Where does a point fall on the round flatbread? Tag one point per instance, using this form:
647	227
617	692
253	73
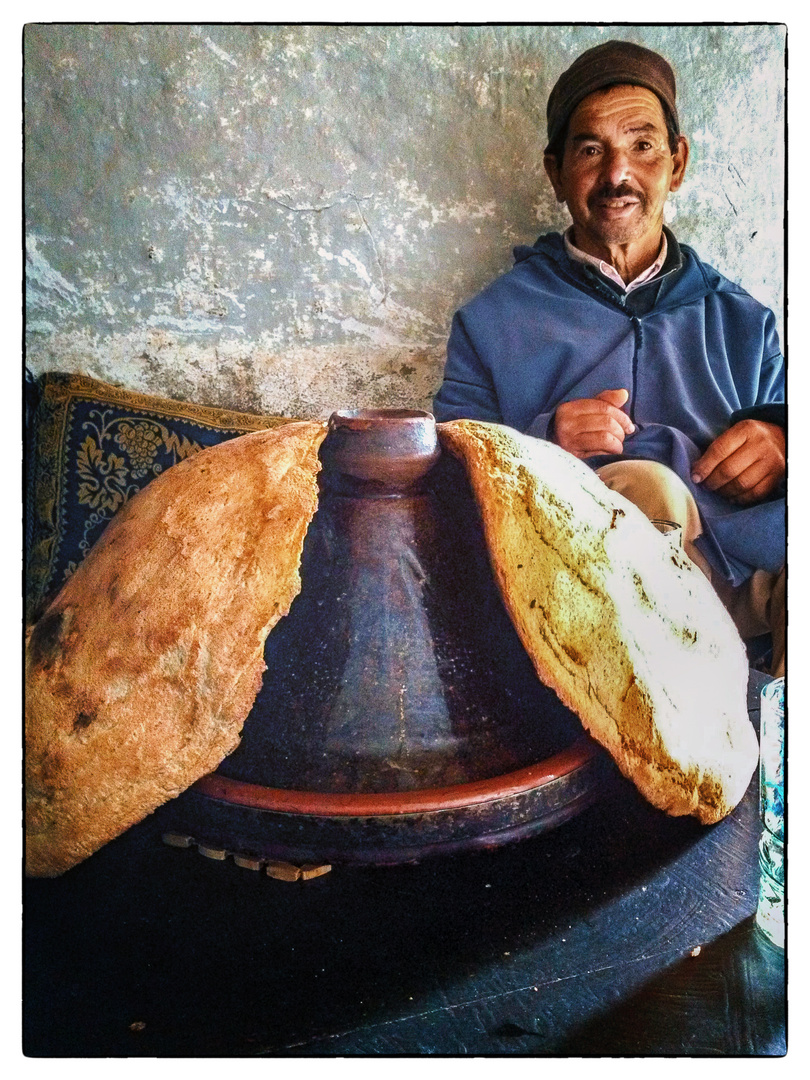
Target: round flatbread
140	674
622	625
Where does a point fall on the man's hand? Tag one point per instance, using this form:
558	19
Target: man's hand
593	425
745	463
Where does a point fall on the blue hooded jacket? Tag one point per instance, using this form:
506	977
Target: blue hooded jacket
696	352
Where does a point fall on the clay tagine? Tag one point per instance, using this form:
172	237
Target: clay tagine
400	715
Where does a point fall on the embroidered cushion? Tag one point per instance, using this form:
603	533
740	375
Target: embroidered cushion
90	447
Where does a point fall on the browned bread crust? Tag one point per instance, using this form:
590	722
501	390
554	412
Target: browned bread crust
141	673
626	630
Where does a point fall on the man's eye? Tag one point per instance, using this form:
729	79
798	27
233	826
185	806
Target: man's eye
589	151
642	144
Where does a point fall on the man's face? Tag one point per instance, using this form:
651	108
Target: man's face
618	169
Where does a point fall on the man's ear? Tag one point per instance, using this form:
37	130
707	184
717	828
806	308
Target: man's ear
679	160
553	173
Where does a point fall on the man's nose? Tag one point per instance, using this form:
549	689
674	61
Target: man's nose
615	166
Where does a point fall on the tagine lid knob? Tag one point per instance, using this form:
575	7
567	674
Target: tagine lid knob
394	447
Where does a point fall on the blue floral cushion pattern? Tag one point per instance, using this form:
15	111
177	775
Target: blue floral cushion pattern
91	446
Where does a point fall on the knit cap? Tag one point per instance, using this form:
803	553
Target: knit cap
612	64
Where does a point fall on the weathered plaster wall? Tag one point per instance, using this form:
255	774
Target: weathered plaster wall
284	219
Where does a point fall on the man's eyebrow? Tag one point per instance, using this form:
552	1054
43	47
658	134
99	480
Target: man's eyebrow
637	129
584	137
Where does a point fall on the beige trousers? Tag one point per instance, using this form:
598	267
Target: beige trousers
757	606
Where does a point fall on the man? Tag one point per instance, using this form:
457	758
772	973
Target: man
625	349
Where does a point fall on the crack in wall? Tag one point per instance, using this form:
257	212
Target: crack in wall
381	268
318	209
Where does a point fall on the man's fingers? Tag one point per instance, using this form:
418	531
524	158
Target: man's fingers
759	491
587	426
598	409
720	449
595	442
752	483
623	420
616	397
737	485
587	423
595	435
603	436
745	464
731	468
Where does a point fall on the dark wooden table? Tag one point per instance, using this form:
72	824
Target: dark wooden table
623	932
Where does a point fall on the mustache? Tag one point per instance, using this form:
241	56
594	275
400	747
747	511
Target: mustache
620	191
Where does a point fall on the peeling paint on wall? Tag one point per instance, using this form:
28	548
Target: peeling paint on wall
283	219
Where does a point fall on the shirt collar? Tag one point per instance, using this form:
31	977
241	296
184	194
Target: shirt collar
609	271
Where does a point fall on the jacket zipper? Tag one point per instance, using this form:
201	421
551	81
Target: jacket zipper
638	336
620	301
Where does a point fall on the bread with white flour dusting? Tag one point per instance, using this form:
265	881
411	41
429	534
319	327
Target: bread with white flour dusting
626	630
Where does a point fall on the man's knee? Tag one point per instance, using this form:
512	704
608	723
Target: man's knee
758	606
646	484
660	495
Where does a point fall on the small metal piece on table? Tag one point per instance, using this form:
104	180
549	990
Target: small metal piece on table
178	841
283	871
310	870
219	854
248	862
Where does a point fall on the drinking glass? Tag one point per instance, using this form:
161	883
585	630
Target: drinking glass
771	907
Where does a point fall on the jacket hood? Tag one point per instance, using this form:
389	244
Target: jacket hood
548	244
685	277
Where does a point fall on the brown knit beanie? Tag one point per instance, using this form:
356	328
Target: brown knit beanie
612	64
